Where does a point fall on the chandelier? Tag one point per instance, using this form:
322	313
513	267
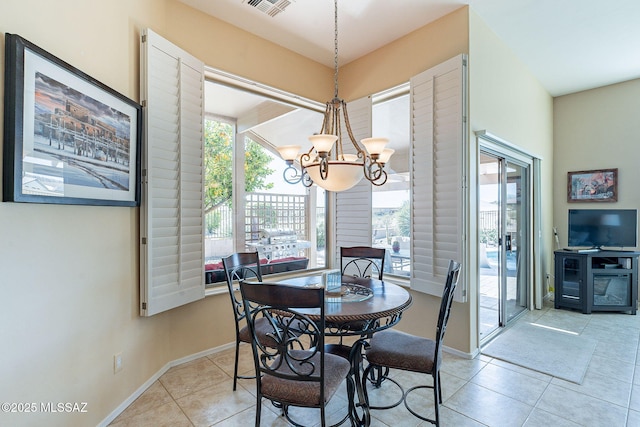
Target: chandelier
326	162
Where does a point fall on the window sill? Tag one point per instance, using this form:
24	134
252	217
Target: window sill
399	280
215	290
221	287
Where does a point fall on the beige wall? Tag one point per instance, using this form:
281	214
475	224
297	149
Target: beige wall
596	129
230	49
69	274
508	102
402	59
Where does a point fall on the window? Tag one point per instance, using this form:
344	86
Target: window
173	224
172	218
248	206
390	203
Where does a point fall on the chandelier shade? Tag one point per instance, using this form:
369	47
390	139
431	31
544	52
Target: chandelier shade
385	156
341	175
375	146
323	143
288	152
326	162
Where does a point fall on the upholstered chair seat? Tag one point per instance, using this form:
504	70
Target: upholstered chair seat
306	393
398	350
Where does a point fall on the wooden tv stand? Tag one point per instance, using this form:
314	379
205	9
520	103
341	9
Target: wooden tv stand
596	281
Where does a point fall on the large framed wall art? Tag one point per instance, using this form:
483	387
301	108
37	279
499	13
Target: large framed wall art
68	138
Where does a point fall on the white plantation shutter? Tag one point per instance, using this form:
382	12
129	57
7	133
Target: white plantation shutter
438	135
353	206
171	214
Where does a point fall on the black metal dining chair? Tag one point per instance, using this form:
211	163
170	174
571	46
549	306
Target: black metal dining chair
357	261
398	350
293	369
238	266
362	261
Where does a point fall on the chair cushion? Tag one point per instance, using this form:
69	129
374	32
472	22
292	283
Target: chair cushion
306	393
399	350
341	350
263	327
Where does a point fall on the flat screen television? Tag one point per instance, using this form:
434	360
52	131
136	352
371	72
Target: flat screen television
597	228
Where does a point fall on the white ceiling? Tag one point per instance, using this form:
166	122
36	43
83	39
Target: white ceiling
569	45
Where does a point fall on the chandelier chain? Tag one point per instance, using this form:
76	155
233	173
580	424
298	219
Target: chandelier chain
317	161
335	50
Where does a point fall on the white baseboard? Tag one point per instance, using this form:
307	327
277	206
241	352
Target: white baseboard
461	353
155	377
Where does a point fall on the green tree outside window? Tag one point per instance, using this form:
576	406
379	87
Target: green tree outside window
218	165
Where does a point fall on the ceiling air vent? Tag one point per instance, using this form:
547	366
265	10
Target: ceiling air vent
270	7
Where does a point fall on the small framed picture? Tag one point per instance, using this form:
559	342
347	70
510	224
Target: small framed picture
593	186
68	139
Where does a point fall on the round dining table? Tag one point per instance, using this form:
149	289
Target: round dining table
360	308
363	306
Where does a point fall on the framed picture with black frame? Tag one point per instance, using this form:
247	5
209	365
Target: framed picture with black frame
68	139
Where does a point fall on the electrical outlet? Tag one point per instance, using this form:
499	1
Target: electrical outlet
117	363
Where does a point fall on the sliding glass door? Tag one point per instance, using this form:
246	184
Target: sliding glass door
503	235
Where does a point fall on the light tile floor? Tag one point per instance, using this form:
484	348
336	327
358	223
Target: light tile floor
478	392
